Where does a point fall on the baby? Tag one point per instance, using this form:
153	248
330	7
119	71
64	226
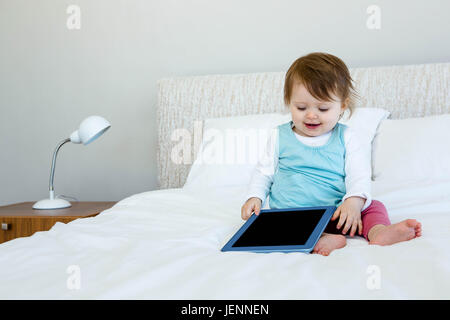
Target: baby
318	161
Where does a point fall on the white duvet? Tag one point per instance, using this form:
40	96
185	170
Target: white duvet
166	245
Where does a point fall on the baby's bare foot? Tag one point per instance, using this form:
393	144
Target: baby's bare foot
402	231
328	242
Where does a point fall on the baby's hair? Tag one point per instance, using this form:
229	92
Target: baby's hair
323	75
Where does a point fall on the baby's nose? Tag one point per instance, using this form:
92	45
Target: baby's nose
311	115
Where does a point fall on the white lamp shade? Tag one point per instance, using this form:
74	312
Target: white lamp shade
90	129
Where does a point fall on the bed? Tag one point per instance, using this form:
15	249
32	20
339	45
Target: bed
165	244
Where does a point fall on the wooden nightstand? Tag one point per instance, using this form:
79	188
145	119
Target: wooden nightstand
21	220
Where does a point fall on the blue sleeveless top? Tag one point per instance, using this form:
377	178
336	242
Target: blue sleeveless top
308	176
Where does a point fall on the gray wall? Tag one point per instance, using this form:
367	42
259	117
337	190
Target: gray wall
52	78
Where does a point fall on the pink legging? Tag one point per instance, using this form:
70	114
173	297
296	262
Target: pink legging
374	214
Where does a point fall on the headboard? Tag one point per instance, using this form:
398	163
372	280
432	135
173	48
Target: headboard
406	91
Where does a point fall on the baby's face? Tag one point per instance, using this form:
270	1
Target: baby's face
306	110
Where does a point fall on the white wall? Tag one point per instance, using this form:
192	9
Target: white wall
51	77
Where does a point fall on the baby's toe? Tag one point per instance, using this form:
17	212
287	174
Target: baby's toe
418	229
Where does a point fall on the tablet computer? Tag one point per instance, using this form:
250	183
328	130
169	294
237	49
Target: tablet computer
282	230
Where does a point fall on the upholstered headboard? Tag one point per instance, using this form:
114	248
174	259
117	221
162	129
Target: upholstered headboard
406	91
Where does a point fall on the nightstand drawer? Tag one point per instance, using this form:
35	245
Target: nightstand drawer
15	227
12	227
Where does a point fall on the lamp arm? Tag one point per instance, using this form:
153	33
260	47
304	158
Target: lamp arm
52	171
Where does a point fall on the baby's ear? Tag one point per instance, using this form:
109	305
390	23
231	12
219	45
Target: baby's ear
345	104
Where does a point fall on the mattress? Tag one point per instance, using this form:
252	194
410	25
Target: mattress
165	244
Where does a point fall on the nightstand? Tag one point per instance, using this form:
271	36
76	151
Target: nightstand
21	220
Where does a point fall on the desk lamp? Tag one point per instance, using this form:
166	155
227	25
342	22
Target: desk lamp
90	129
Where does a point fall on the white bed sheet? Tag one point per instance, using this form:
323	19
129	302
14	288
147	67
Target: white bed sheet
166	244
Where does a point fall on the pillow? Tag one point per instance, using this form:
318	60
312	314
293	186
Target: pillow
231	146
230	149
365	121
412	150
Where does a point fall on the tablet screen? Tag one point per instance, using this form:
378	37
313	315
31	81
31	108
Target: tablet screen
280	228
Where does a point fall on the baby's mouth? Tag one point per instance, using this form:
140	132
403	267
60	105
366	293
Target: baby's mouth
312	125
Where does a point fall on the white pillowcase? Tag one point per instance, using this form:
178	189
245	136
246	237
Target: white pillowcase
365	121
230	149
227	140
412	150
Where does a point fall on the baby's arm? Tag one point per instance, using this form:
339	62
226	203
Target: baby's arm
262	177
358	170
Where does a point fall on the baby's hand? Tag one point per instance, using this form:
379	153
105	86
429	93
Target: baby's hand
349	213
252	204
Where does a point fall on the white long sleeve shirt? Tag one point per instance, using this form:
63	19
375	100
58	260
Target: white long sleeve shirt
357	167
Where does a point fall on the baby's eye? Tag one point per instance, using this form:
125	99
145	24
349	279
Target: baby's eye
302	109
323	110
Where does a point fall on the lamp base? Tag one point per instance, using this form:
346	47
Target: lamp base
48	204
